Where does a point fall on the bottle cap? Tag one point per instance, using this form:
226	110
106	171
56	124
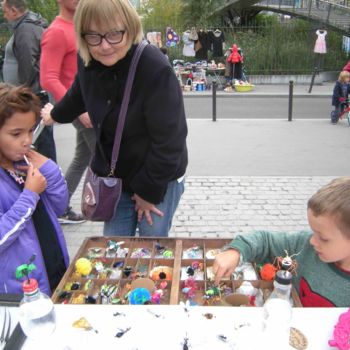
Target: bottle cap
283	277
29	286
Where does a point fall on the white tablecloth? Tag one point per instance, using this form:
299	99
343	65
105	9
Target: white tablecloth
239	325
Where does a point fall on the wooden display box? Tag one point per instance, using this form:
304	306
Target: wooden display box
185	251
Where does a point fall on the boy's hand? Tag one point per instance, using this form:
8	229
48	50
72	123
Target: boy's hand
225	263
35	181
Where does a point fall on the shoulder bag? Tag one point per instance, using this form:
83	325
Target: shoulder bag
101	195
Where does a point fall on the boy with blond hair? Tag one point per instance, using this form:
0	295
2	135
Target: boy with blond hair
340	95
323	255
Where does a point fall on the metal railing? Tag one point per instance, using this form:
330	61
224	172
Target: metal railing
331	13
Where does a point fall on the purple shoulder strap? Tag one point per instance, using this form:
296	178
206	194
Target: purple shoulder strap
125	103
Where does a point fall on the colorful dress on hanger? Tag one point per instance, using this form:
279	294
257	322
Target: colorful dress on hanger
320	45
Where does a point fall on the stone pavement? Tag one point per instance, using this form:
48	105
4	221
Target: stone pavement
222	206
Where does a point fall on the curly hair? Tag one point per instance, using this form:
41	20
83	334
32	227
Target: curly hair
17	99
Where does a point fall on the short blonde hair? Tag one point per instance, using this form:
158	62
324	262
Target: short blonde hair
105	12
334	199
343	75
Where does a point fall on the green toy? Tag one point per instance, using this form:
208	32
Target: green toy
25	269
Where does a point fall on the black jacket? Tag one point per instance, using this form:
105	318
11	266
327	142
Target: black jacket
153	149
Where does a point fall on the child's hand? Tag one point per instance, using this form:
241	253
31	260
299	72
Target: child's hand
35	181
36	158
225	263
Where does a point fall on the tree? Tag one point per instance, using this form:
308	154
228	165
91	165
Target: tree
158	14
198	12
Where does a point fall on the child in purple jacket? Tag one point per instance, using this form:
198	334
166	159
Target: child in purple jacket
33	193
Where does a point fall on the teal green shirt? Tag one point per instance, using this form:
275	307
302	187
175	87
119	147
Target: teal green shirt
318	284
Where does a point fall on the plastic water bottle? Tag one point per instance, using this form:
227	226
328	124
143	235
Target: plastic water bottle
36	312
277	313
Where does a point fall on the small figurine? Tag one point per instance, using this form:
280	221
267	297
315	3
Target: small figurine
286	263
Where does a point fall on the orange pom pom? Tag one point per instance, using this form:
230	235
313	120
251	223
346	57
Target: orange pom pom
267	272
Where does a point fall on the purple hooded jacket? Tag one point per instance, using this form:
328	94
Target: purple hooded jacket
18	239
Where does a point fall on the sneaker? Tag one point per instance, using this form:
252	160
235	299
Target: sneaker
71	217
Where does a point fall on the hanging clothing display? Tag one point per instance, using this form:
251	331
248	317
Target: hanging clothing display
346	44
234	63
188	49
217	39
155	38
204	40
172	38
320	45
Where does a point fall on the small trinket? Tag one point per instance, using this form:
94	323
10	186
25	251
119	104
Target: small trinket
90	299
119	314
79	299
208	315
122	332
83	266
118	264
127	271
87	285
65	295
162	275
154	314
168	254
84	324
75	286
163	284
185	344
139	296
190	271
222	338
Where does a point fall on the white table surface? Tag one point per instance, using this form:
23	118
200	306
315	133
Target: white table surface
167	332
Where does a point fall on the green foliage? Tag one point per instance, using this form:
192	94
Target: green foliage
158	14
47	8
198	13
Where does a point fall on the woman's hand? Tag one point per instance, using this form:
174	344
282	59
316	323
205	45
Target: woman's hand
144	208
46	114
35	181
85	120
225	263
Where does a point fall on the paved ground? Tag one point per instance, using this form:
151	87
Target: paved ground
222	206
243	174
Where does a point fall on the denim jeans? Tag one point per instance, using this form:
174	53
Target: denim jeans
84	149
124	222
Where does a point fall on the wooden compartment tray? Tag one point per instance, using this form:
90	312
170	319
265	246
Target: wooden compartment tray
172	256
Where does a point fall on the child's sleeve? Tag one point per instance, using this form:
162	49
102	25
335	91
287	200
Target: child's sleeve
14	220
56	190
263	246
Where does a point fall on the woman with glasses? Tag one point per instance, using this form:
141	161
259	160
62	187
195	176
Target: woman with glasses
153	154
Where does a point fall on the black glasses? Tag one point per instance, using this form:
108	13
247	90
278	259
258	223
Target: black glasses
114	37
